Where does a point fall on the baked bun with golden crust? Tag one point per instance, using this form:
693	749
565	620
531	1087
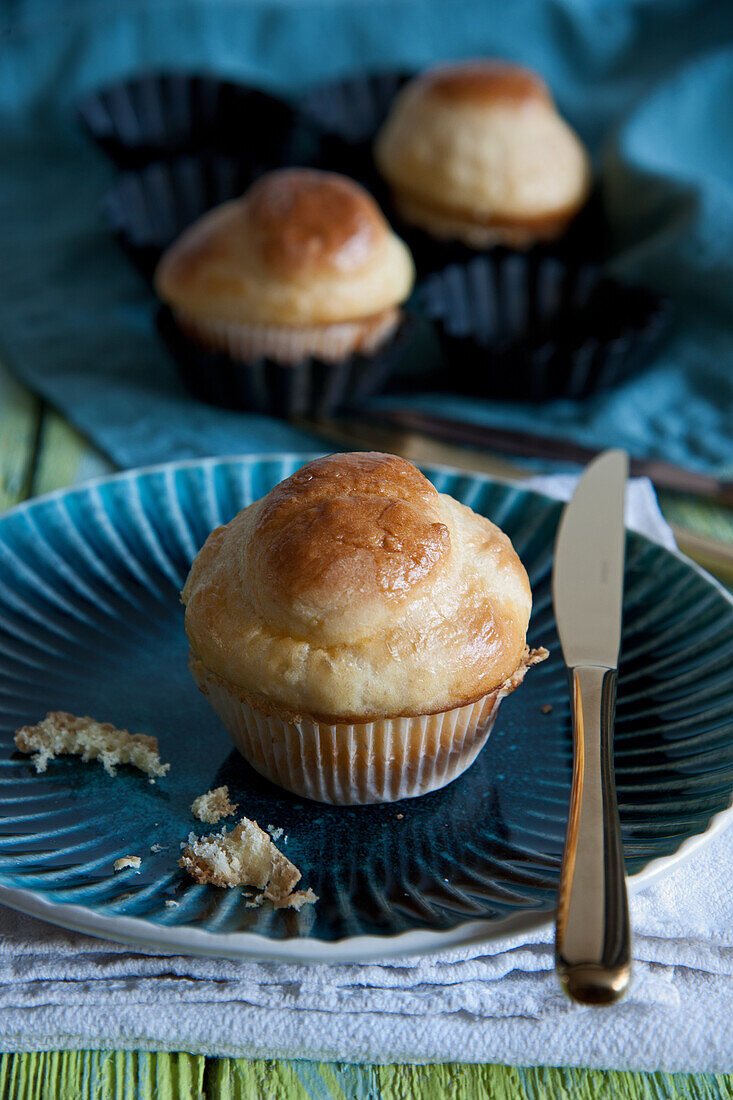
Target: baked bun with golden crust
476	151
304	263
352	597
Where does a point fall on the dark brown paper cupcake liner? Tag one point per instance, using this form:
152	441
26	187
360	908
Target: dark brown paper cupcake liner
533	328
154	116
149	209
347	113
584	241
312	389
353	108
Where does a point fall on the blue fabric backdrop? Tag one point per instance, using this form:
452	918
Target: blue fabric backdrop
648	83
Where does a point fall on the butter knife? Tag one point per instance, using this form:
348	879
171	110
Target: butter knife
593	935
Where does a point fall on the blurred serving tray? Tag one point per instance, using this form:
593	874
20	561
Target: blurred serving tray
520	325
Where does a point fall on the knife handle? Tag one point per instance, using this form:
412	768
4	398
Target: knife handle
593	941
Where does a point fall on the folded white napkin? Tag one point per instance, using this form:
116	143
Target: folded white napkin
497	1003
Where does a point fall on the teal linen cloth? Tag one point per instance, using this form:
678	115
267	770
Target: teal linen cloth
648	84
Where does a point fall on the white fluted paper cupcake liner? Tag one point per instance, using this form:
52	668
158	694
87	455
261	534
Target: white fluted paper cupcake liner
292	344
355	763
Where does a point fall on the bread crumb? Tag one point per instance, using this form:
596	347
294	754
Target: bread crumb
213	805
157	848
547	708
245	856
170	904
297	900
124	862
62	734
242	857
274	832
400	816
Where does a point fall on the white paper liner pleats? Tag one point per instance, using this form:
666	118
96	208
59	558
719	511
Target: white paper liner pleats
354	763
332	343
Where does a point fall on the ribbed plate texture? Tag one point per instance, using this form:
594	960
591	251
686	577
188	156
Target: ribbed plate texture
91	622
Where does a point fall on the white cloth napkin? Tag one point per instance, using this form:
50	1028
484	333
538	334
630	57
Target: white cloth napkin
496	1003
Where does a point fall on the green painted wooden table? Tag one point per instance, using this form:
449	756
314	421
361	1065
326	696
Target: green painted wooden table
39	452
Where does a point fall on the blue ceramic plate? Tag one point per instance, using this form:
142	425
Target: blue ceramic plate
90	622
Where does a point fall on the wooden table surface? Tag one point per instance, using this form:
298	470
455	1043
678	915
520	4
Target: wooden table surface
39	452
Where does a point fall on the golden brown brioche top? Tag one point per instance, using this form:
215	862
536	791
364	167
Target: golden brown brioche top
354	590
299	247
346	537
303	221
482	82
482	141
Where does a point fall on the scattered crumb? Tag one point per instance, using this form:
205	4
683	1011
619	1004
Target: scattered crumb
297	900
245	856
530	657
170	904
547	708
274	832
400	816
242	857
213	805
124	862
284	877
157	848
256	903
62	734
